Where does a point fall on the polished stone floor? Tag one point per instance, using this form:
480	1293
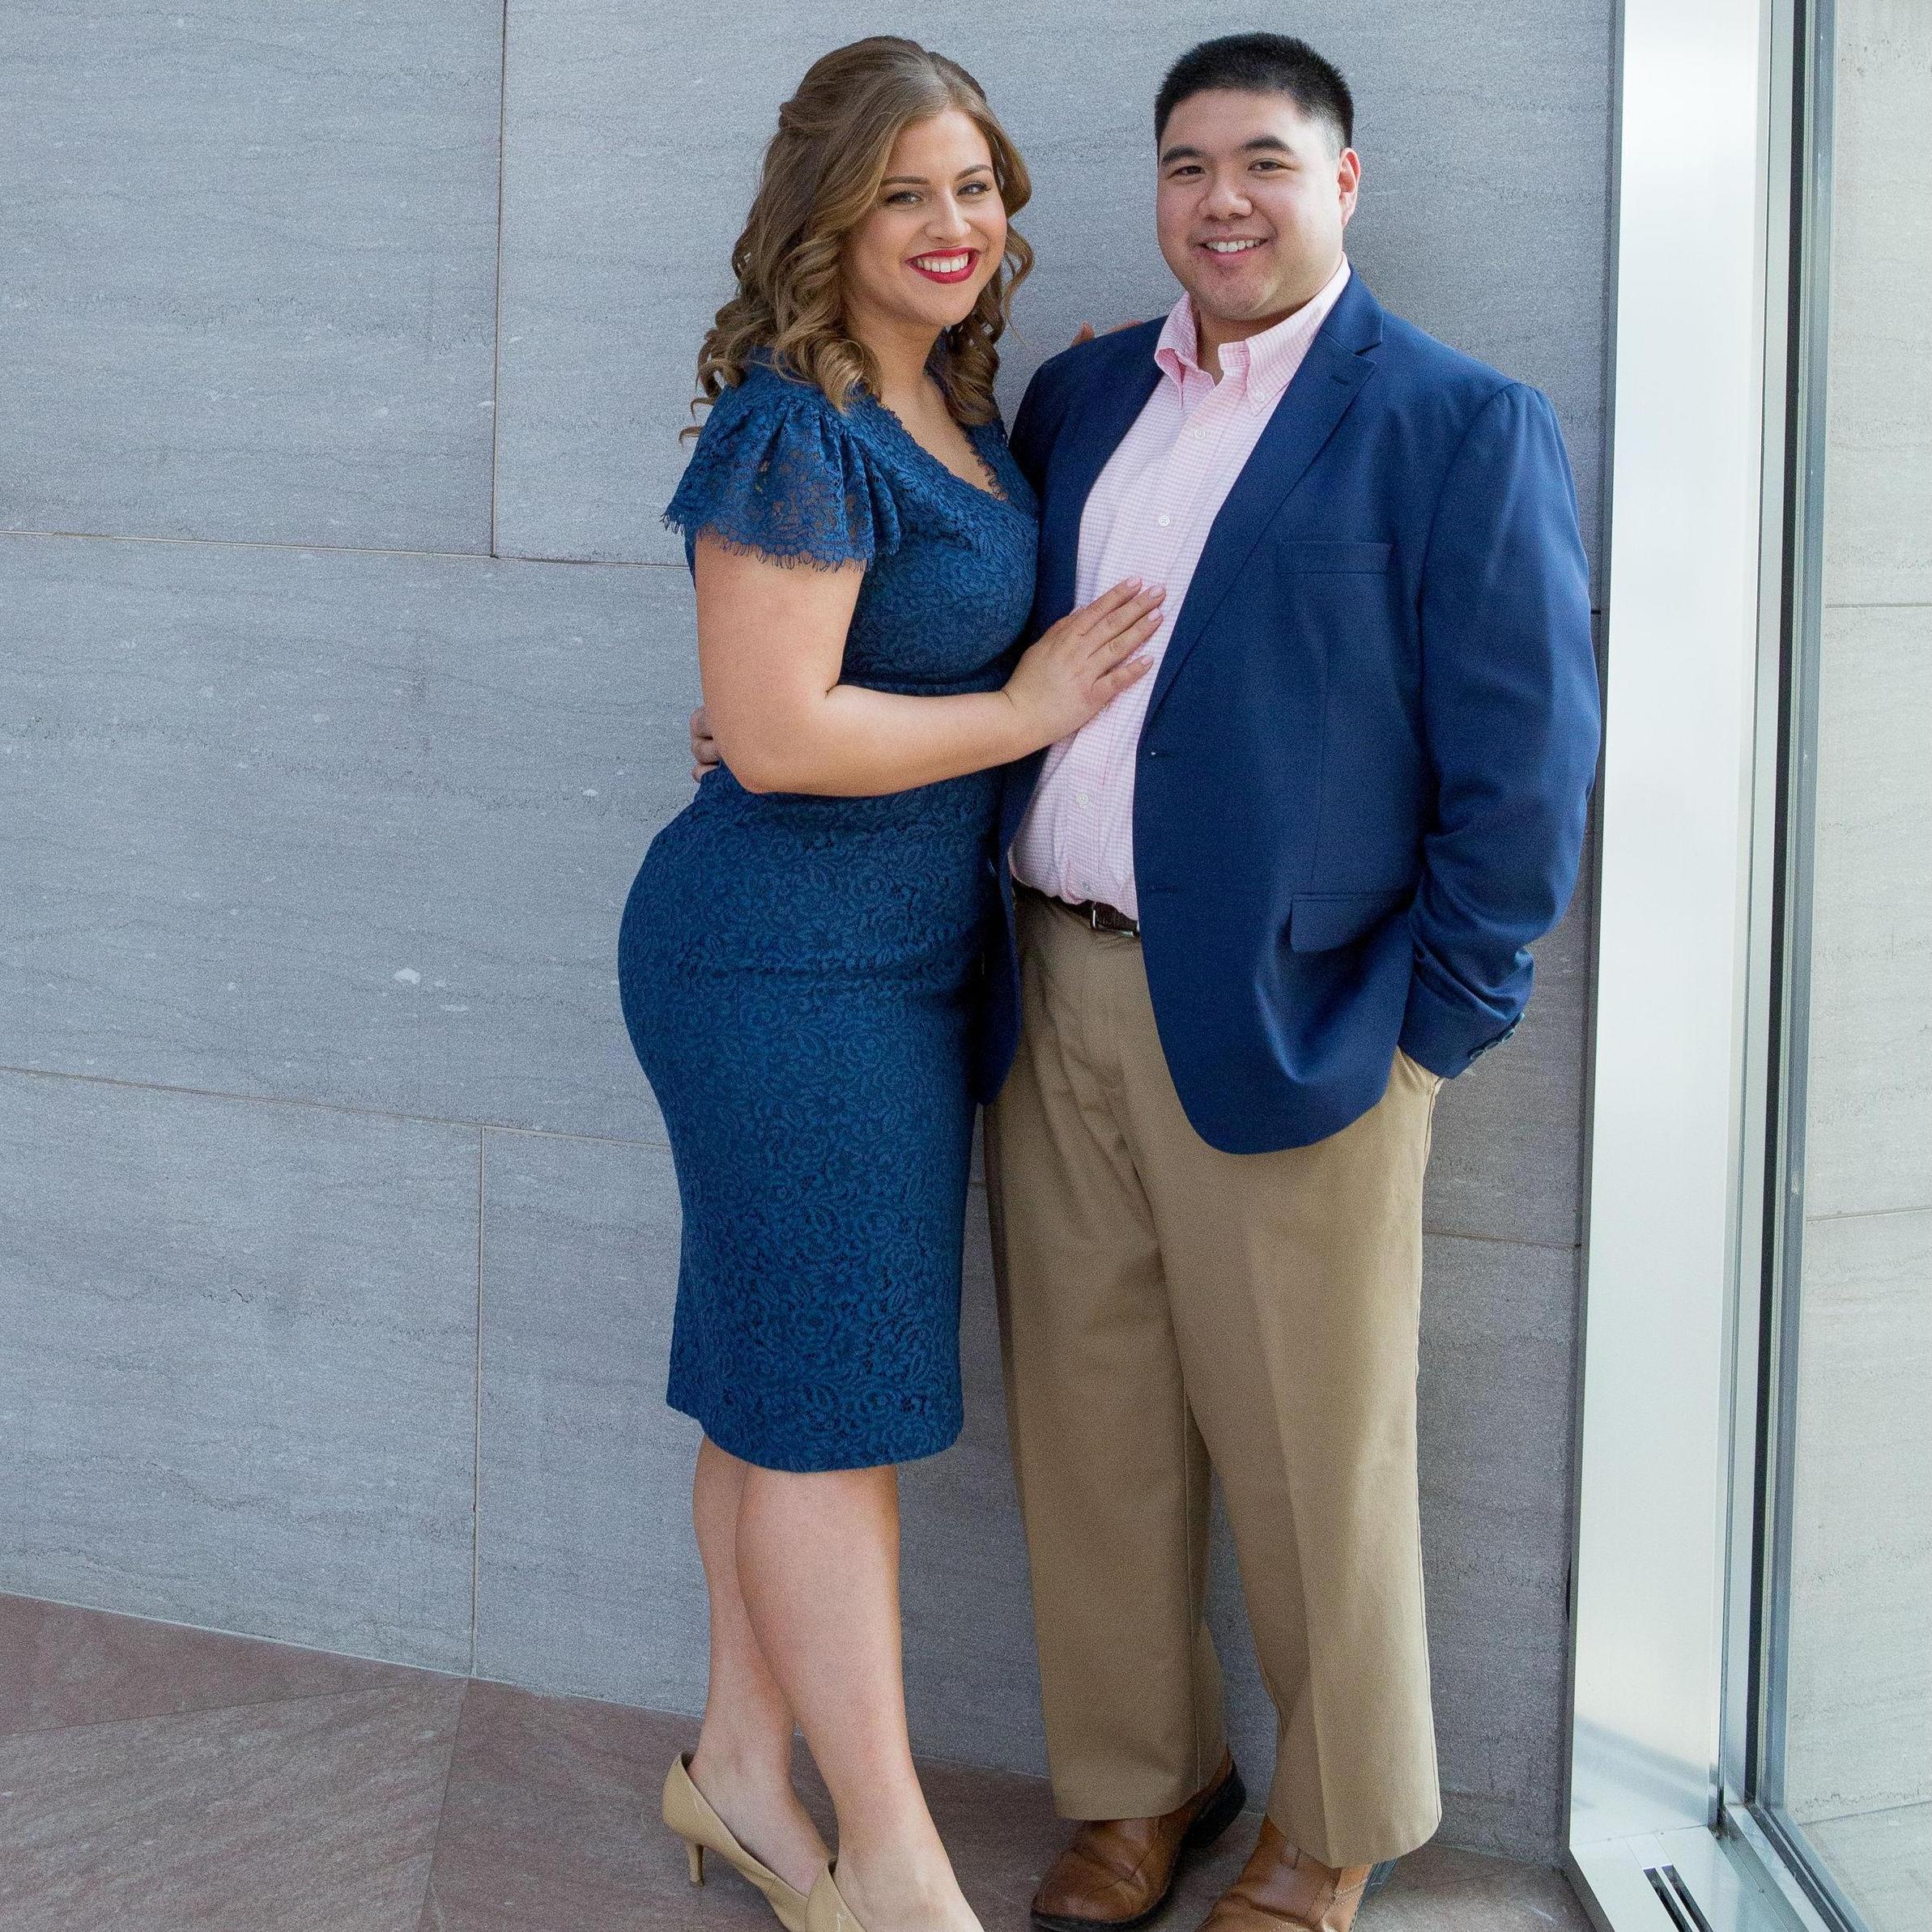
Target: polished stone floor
155	1778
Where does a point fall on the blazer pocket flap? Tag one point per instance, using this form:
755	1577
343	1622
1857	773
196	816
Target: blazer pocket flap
1338	556
1318	920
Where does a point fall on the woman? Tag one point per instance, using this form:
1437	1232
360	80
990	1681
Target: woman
799	953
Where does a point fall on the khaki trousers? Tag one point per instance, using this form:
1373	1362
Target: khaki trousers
1166	1308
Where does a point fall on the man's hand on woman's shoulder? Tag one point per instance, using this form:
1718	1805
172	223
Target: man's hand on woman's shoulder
704	747
1085	332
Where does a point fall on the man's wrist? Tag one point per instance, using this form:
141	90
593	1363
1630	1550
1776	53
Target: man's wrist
1446	1035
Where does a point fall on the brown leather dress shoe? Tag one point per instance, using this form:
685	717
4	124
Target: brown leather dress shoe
1280	1888
1117	1872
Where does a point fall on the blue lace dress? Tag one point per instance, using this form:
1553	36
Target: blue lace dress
799	973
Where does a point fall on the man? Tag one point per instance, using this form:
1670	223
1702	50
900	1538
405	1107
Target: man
1267	902
1258	911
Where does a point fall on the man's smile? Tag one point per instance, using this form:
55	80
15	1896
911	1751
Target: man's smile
1225	251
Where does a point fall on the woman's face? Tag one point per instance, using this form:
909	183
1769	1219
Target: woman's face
937	234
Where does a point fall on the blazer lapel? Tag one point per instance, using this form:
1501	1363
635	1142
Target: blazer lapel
1331	376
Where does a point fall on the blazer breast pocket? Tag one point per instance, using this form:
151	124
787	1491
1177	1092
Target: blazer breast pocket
1363	559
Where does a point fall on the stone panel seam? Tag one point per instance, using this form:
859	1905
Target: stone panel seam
1607	373
378	1113
482	1139
500	556
1869	1214
245	1703
1444	1231
1441	1230
436	1837
1910	1804
503	85
279	1642
341	550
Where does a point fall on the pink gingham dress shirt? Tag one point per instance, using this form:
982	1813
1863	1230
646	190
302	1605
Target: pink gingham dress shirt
1148	516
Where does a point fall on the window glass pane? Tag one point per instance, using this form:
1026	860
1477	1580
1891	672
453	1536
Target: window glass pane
1847	1763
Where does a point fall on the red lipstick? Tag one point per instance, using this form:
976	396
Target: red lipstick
963	273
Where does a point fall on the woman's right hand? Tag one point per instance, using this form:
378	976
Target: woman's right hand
1074	670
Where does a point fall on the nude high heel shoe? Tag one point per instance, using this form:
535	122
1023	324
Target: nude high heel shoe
825	1911
688	1813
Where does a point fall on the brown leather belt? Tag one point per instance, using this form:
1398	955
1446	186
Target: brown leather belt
1102	917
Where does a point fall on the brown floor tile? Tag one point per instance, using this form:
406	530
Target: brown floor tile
60	1664
317	1814
1003	1835
1439	1890
544	1825
263	1796
551	1826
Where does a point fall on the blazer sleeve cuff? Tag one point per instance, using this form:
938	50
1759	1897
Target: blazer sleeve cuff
1448	1038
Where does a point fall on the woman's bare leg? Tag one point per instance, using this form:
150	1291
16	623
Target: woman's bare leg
818	1564
744	1761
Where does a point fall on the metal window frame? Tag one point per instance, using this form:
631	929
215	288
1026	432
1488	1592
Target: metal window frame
1697	1035
1756	1768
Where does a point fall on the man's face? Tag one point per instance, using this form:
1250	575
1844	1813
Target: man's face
1254	196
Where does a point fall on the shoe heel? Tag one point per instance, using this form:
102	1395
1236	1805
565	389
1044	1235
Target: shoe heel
1226	1808
688	1814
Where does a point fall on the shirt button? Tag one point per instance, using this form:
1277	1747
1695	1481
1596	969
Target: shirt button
1083	797
1164	519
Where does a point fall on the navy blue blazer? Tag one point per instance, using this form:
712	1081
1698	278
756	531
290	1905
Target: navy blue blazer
1364	772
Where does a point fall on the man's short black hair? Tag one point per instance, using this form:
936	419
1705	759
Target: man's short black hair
1261	63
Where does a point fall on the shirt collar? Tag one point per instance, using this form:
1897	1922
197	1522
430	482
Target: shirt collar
1261	366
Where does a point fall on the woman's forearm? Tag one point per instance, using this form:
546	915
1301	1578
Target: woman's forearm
856	744
771	649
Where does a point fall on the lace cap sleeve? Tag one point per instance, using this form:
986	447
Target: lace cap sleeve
777	469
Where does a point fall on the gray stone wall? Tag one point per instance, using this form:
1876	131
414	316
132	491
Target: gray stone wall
345	671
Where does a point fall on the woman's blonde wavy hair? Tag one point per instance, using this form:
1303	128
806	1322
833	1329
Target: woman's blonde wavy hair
821	178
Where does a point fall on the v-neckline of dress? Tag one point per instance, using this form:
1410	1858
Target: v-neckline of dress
998	496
